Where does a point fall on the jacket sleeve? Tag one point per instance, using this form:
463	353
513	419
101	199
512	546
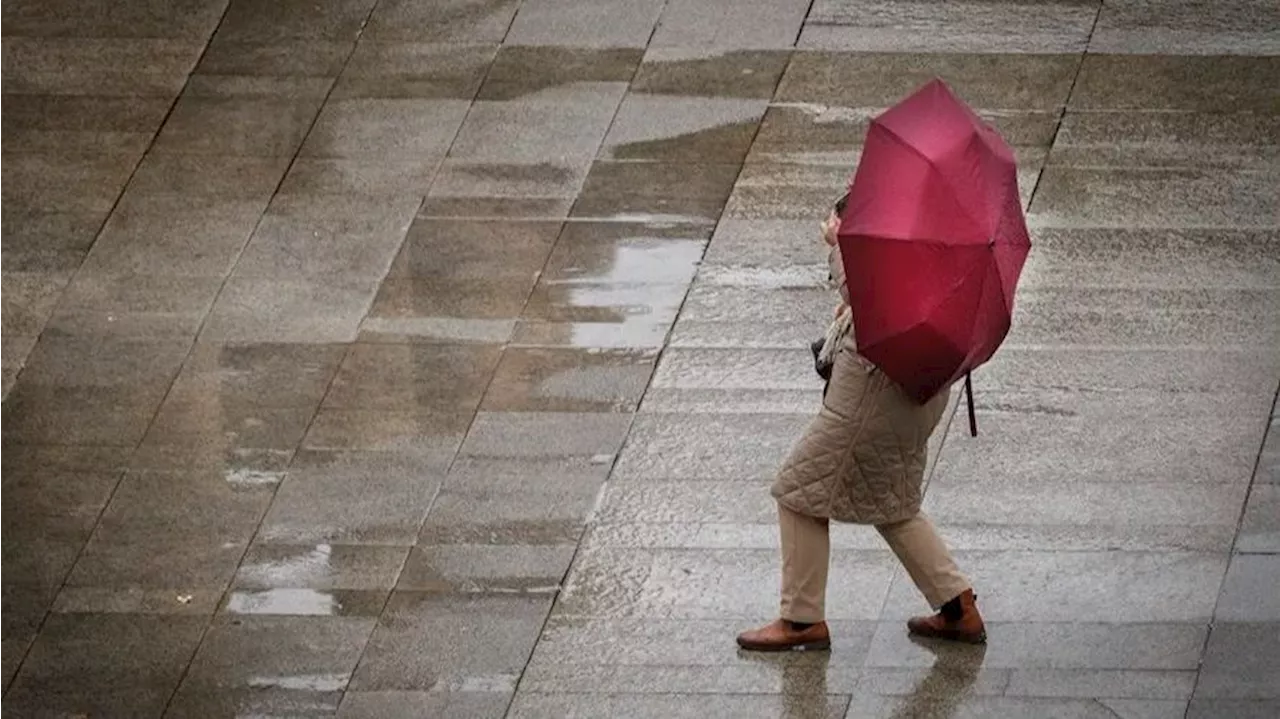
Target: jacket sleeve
836	264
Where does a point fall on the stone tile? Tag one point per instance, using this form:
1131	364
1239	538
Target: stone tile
512	185
708	447
430	330
1161	82
25	459
31	299
754	317
1102	684
515	501
654	706
248	21
266	374
683	129
635	332
614	302
69	415
1178	198
24	611
518	208
1260	529
777	244
1002	81
519	71
1248	592
405	304
705	71
1153	258
253	126
1236	708
573	646
401	128
818	134
37	240
1142	27
114	665
545	434
568	380
475	250
664	192
1128	505
305	602
144	367
256	701
619	252
414	70
85	183
434	378
140	306
238	428
646	583
749	381
460	568
179	235
320	566
786	192
445	705
285	57
39	558
82	123
614	23
367	177
225	177
1240	662
479	21
1014	708
1083	586
191	20
283	88
1059	646
163	535
724	23
761	679
1145	708
1164	139
317	311
906	27
49	501
352	498
431	436
1268	470
311	237
257	663
432	641
97	66
560	125
1238	319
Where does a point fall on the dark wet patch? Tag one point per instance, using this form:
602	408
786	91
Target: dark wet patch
520	71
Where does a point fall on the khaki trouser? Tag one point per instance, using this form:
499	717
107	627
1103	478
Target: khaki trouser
806	550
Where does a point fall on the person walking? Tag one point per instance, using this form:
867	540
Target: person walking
861	461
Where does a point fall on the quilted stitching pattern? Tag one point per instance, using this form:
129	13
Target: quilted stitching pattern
863	457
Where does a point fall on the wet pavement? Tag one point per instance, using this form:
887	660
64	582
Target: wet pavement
379	358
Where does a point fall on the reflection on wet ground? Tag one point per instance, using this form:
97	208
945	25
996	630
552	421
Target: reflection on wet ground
375	358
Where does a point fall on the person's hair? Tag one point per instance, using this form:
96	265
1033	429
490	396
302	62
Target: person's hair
841	204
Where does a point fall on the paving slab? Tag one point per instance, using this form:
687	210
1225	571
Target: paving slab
907	27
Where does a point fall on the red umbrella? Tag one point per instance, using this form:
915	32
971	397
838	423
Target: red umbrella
933	242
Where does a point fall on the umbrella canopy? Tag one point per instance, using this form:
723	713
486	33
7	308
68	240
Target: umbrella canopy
933	241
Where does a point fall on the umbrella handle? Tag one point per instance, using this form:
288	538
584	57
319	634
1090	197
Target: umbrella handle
973	417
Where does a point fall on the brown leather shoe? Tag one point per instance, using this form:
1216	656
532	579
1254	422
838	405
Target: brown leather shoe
958	622
780	636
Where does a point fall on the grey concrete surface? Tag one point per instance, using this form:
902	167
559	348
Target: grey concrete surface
384	358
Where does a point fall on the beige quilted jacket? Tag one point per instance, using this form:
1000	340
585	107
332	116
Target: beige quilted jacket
862	459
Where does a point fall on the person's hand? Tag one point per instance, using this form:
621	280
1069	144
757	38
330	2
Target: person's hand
830	227
839	308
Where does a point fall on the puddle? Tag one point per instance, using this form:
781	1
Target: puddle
296	602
